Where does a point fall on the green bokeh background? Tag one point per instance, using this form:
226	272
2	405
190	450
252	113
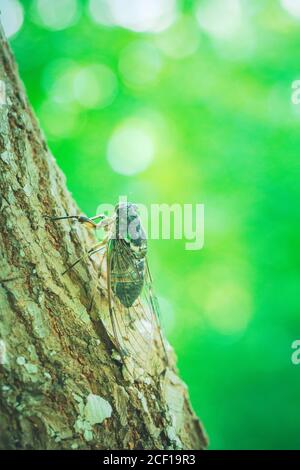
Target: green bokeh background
213	95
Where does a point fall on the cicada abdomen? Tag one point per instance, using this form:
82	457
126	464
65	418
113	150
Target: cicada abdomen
127	283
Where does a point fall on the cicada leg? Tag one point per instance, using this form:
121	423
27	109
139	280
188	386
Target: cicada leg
89	223
94	249
86	221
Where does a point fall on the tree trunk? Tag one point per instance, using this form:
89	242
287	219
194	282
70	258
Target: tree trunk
60	386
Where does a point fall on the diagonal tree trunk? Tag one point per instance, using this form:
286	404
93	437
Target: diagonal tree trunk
61	388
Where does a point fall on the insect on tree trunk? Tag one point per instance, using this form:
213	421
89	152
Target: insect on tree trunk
61	387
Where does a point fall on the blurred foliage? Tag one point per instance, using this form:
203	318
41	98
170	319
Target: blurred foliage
190	102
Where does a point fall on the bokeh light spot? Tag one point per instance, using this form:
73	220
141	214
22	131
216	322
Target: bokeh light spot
91	86
11	16
220	18
181	39
55	14
140	63
100	12
228	307
136	15
131	148
95	86
292	7
58	79
57	122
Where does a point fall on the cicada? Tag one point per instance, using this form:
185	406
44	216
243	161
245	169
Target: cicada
133	310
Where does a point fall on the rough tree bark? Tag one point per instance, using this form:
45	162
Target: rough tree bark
60	386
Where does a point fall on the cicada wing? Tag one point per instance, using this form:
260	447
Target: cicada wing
152	300
135	329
